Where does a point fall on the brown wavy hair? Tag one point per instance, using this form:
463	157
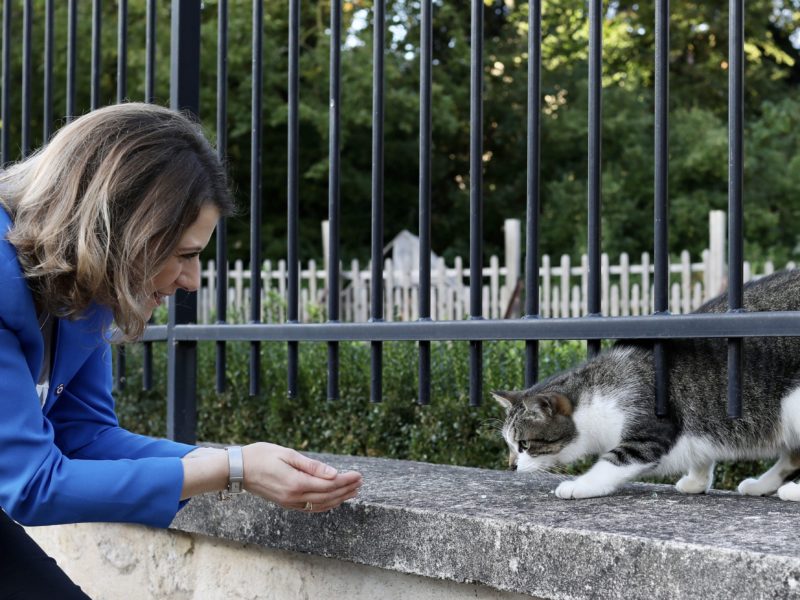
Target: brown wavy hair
99	209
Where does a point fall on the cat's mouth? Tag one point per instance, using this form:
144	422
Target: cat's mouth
527	463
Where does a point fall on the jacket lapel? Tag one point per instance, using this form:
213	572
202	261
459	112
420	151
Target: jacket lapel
74	342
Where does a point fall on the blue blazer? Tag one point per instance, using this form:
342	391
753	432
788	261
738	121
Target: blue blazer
70	461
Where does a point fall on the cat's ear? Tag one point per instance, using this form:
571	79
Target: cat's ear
505	398
549	404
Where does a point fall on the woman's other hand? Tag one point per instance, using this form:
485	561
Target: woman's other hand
294	481
275	473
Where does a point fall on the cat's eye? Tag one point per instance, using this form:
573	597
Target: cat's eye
523	445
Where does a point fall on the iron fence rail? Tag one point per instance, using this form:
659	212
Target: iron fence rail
695	325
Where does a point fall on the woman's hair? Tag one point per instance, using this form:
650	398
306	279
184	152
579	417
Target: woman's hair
100	208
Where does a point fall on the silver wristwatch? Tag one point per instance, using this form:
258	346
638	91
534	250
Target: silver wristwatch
235	470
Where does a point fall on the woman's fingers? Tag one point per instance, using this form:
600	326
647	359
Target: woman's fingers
336	497
322	477
313	467
308	483
325	503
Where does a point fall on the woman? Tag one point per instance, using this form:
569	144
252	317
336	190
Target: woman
101	225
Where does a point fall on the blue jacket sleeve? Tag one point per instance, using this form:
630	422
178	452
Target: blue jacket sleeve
40	485
85	423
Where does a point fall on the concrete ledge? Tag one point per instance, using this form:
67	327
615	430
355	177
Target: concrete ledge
508	531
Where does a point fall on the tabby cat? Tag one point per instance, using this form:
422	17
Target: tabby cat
606	407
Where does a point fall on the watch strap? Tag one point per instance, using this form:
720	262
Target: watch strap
235	470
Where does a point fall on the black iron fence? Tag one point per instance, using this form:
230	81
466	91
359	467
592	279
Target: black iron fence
182	335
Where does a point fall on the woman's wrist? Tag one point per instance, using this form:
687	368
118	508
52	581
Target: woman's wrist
204	470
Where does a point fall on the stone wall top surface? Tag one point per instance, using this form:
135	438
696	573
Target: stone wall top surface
509	531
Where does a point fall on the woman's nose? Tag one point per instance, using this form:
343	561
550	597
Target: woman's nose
190	276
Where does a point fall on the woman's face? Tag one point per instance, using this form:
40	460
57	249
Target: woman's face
182	269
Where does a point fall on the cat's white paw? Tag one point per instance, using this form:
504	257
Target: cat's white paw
789	491
691	485
577	489
754	487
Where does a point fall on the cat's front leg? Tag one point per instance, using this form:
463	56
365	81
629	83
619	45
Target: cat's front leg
698	480
604	478
782	471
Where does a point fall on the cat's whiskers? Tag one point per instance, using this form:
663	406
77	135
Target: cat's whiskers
493	424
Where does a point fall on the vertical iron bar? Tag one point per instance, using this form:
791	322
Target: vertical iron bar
533	168
97	23
122	51
425	82
72	28
293	210
595	135
182	355
222	148
5	108
121	367
661	203
378	84
150	53
122	81
147	366
476	199
47	118
27	17
149	86
735	197
255	192
333	193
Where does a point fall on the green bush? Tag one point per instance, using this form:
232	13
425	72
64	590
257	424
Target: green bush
448	431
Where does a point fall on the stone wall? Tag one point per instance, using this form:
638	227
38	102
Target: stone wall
434	531
121	562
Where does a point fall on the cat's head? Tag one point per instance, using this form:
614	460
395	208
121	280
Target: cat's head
538	427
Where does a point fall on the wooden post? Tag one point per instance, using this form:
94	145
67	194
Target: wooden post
614	300
494	286
697	295
566	267
576	301
584	284
238	284
646	309
605	281
717	224
544	305
512	229
441	307
388	290
676	298
625	284
460	307
326	254
686	282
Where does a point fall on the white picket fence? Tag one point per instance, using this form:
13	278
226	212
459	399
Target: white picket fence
626	287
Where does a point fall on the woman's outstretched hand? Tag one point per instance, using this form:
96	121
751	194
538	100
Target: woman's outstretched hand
278	474
292	480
